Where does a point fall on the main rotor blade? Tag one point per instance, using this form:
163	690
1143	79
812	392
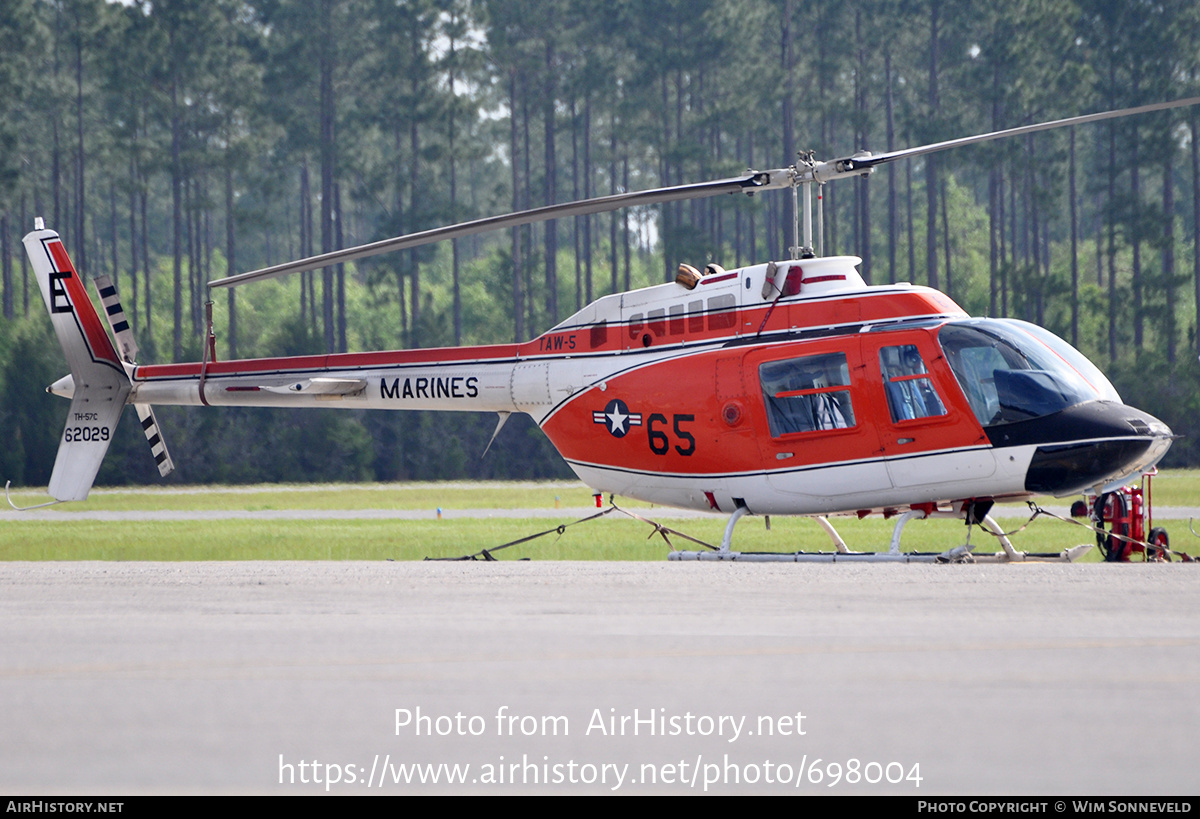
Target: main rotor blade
752	181
862	163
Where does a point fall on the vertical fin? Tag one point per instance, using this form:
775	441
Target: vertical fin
101	385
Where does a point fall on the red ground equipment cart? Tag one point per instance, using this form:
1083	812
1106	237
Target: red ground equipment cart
1125	512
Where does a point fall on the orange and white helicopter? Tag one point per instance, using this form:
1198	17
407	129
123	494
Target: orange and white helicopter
786	388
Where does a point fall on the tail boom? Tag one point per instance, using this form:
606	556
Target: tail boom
392	381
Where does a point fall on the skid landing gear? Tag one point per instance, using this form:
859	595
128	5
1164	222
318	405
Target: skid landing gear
976	513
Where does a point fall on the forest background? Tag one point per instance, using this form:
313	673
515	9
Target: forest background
175	142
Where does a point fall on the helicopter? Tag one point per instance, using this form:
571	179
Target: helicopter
785	388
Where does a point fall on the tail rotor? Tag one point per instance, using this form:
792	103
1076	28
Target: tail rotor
115	314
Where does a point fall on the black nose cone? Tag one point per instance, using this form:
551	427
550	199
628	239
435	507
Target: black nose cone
1085	446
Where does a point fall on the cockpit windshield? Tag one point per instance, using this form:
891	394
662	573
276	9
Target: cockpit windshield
1012	371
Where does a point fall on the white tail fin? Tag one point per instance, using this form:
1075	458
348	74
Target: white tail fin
100	382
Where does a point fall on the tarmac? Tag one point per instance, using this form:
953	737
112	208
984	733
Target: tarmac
571	678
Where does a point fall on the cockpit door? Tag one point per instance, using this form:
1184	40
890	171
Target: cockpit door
927	434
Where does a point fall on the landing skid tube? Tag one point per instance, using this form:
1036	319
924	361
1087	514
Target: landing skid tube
959	554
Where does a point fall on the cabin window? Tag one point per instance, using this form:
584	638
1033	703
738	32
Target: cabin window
656	321
721	314
635	325
807	394
695	316
675	326
910	392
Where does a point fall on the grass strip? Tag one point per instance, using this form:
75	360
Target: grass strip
609	538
